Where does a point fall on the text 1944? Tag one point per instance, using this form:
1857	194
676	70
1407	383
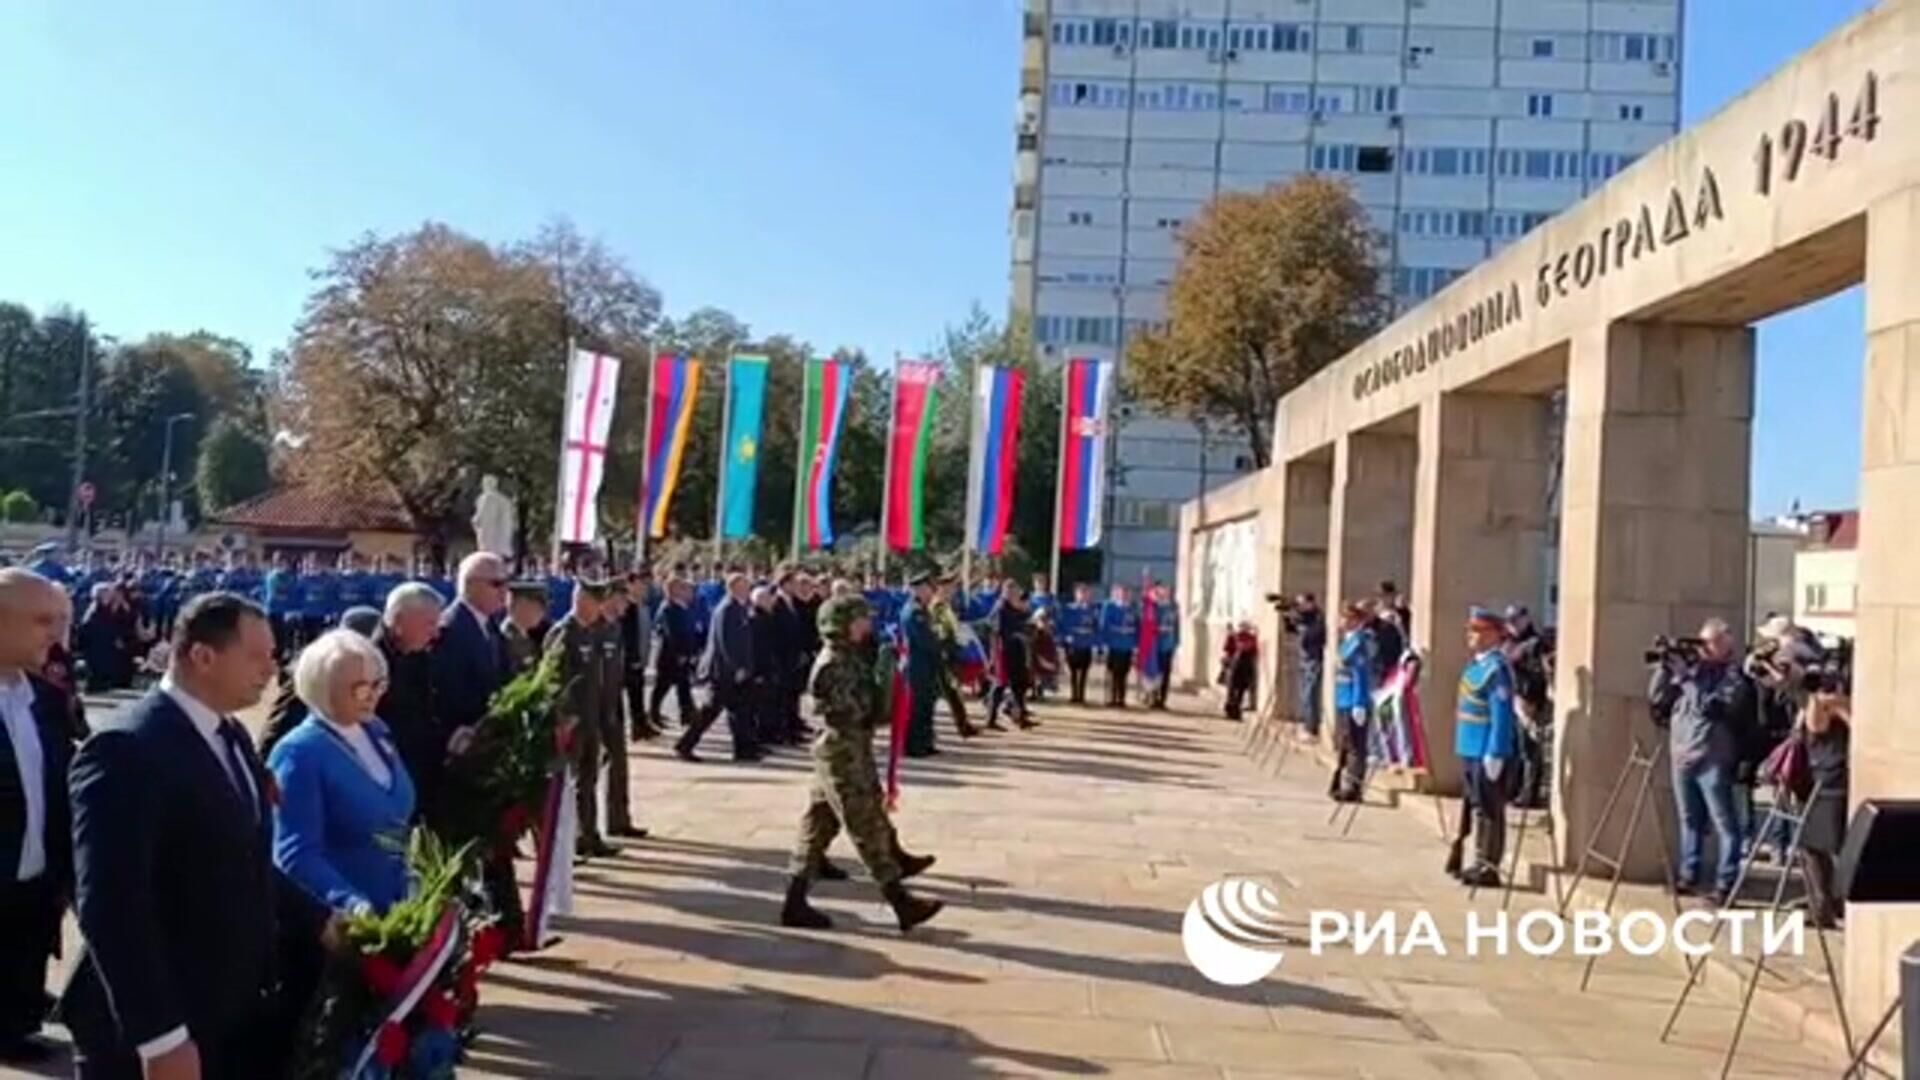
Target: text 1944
1786	155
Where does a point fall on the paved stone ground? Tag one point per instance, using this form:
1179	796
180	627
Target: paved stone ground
1067	856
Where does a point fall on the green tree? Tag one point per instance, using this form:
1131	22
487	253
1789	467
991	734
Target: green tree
1270	288
17	506
233	465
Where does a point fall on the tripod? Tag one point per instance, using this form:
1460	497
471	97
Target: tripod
1645	765
1797	821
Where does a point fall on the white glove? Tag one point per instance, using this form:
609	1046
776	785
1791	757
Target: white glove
1492	767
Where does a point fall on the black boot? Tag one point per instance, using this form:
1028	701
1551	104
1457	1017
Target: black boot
911	866
1453	859
908	908
825	870
798	913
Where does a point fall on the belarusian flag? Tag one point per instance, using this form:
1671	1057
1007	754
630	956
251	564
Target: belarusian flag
911	443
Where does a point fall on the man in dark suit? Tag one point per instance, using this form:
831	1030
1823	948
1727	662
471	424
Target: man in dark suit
187	924
677	653
727	669
36	831
790	643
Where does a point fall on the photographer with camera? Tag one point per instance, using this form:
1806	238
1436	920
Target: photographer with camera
1699	692
1303	620
1529	656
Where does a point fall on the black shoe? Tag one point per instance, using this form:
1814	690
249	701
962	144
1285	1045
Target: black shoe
1485	877
747	757
1453	859
596	848
922	751
798	913
27	1050
909	909
912	866
685	753
966	730
827	871
1027	723
993	724
631	832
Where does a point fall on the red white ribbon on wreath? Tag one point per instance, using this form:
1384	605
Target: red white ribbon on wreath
416	979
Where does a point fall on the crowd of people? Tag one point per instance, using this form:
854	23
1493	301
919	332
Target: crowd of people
208	866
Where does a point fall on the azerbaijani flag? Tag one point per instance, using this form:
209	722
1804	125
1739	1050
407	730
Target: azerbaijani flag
996	444
675	385
746	403
1083	452
823	415
911	440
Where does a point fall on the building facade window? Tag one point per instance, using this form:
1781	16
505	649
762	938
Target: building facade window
1291	37
1471	224
1633	112
1539	104
1289	99
1412	283
1444	161
1079	217
1380	99
1542	48
1617	46
1334	157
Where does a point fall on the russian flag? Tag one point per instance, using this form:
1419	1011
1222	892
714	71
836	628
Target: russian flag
996	444
1083	452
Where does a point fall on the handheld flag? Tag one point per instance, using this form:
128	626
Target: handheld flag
914	382
1147	650
902	716
746	404
675	386
823	416
1083	452
592	379
996	442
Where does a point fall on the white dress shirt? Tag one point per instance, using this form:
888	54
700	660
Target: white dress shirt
16	707
207	723
360	741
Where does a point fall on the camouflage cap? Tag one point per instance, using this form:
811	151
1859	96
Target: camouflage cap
839	613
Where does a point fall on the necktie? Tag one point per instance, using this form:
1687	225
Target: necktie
231	736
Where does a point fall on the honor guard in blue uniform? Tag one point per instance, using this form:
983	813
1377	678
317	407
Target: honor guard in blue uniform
1119	634
243	578
356	585
1078	622
1484	736
320	604
1352	703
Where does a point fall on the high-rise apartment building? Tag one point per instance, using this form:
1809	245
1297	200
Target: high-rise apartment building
1461	124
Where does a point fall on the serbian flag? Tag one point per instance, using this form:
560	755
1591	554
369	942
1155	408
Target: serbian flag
1146	652
823	415
996	444
909	446
902	716
592	379
1083	452
675	386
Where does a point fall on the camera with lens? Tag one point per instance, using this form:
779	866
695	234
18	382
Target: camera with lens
1686	650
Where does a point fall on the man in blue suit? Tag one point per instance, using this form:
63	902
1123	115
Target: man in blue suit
727	669
187	925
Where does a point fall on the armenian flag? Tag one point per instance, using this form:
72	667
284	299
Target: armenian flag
1083	452
675	386
909	445
996	443
823	415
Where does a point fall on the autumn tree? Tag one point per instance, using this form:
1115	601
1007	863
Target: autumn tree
427	360
1270	288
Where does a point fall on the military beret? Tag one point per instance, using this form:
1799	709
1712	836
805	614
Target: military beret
527	590
1483	616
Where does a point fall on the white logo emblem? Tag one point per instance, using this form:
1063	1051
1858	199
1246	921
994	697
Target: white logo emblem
1232	932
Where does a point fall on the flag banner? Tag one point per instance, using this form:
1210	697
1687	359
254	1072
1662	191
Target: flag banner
746	404
914	383
592	380
822	417
902	716
675	385
995	452
1146	650
1083	452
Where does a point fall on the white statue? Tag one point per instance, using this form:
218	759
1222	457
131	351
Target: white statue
494	519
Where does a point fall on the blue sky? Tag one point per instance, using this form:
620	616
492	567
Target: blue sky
836	169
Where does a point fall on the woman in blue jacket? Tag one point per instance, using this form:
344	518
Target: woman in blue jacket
1352	703
345	797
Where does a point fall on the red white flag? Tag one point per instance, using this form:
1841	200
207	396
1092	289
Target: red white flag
592	379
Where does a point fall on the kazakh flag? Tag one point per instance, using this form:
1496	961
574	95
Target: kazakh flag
746	404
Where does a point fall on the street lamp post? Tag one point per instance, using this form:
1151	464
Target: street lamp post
166	485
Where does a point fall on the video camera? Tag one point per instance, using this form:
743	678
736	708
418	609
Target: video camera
1686	650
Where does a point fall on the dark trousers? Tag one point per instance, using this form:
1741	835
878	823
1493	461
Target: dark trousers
29	930
682	689
613	739
956	703
1160	688
920	737
737	703
637	712
1310	668
1488	798
1240	688
1078	663
1119	666
1350	772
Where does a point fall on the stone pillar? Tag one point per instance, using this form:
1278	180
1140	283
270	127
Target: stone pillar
1886	680
1295	561
1369	534
1479	537
1653	541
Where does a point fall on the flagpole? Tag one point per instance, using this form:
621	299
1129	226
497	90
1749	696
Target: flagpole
1059	472
560	482
646	464
726	459
972	509
799	466
886	483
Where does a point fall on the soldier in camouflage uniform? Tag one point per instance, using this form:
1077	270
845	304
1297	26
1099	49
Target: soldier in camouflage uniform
526	610
575	642
849	693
